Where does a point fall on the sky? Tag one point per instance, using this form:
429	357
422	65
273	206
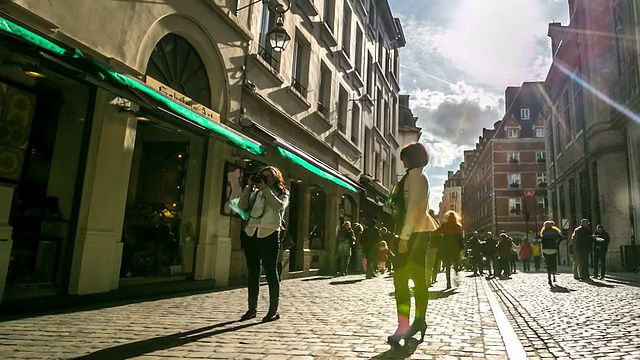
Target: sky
460	57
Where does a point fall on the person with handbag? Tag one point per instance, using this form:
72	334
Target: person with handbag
346	239
265	199
410	199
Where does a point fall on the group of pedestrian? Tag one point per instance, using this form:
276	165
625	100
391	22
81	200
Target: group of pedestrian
584	244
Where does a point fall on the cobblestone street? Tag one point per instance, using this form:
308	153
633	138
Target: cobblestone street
347	317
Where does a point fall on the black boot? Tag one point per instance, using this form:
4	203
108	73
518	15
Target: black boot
272	315
251	313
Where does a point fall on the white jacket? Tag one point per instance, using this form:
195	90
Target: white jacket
416	199
265	209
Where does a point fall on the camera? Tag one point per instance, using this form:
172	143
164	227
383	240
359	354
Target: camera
255	178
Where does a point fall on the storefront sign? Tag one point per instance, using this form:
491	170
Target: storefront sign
176	95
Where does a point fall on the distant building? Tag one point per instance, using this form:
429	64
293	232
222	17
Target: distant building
452	195
504	179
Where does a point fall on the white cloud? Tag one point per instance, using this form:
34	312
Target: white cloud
442	153
435	196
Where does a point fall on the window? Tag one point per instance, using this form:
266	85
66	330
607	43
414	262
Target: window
524	114
540	132
346	29
372	14
394	116
268	22
567	116
543	204
513	133
376	165
385	172
541	156
329	11
578	102
515	206
324	92
379	110
596	193
387	125
573	208
369	74
541	179
380	49
453	207
550	142
299	76
454	196
514	180
514	157
318	206
585	203
359	47
355	124
342	110
367	153
394	170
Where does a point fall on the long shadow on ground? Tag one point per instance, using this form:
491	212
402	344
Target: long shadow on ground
400	352
142	347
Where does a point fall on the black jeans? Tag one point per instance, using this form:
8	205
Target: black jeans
411	265
262	250
599	259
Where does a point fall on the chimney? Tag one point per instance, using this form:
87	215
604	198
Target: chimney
556	33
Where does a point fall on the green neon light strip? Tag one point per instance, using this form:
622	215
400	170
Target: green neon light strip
37	40
235	137
314	169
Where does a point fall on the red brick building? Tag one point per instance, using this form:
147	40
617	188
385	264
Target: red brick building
504	178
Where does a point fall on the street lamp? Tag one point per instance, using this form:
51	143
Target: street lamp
278	37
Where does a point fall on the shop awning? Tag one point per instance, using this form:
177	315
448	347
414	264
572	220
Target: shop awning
73	56
316	167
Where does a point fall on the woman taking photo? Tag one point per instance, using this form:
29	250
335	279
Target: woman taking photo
265	199
410	199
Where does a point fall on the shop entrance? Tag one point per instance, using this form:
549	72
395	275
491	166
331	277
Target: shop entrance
163	202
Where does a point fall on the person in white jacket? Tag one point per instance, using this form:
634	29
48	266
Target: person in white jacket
265	199
410	199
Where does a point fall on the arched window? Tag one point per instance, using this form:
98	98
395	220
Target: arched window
317	210
175	63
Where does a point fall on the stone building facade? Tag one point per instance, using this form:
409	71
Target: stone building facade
588	150
135	129
452	195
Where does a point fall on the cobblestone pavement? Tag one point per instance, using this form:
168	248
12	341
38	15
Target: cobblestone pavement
322	318
575	320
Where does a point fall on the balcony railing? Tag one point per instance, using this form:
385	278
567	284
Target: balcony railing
301	89
515	211
266	55
323	110
514	185
541	160
542	184
514	160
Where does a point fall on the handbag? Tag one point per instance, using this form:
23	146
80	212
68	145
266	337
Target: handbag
286	241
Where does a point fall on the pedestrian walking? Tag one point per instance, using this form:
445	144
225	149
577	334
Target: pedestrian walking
551	237
410	199
345	240
383	256
536	252
357	255
474	246
526	251
600	246
370	239
504	249
265	199
489	249
451	243
582	241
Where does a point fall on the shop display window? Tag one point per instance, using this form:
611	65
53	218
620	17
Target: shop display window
46	136
317	217
163	201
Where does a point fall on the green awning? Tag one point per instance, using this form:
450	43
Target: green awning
107	74
298	157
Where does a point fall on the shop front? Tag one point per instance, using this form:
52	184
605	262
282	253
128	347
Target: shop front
108	180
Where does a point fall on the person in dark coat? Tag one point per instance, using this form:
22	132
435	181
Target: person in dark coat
489	249
370	239
346	239
475	251
600	245
451	243
550	237
504	255
582	242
